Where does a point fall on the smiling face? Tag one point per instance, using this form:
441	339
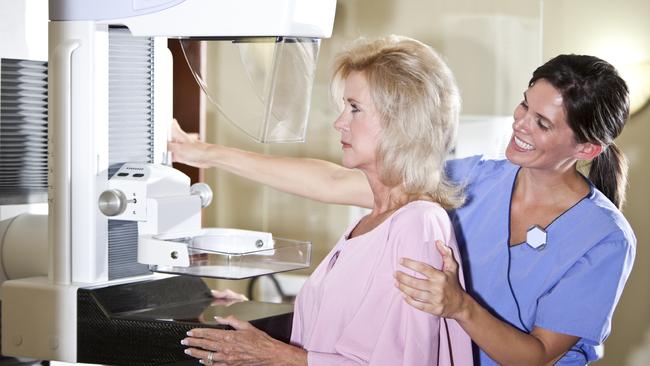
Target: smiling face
359	124
541	137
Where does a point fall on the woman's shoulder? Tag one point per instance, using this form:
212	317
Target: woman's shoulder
421	214
469	169
415	227
610	219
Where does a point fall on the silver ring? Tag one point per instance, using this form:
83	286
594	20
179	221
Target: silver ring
210	355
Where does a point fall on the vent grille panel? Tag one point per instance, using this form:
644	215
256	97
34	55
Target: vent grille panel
130	118
23	131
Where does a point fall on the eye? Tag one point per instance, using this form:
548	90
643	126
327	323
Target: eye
355	109
524	104
542	124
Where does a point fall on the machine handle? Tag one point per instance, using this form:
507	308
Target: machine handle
60	124
204	191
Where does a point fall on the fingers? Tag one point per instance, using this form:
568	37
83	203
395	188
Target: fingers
421	293
417	304
420	267
209	358
234	322
228	295
210	334
176	132
449	264
202	343
172	146
411	282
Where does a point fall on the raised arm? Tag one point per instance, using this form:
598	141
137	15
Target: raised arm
310	178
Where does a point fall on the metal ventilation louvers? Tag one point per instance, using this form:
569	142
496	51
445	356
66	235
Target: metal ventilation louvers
23	131
130	122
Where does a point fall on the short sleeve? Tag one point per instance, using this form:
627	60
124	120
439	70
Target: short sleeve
459	170
403	335
582	302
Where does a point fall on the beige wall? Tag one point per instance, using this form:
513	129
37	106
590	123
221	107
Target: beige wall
492	46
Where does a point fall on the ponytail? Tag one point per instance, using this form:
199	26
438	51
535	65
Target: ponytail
608	173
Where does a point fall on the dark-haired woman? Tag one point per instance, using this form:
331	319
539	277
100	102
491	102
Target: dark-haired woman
546	251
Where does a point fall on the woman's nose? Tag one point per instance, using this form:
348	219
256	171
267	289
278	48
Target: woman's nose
341	124
520	123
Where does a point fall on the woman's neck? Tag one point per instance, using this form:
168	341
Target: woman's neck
535	185
385	199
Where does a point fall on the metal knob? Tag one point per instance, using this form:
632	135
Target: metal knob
204	191
112	202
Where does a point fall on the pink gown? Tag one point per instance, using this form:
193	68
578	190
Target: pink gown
349	311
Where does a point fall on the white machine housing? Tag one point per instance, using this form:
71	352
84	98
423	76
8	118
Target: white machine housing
159	198
78	140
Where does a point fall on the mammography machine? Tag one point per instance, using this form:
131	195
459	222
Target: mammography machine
121	224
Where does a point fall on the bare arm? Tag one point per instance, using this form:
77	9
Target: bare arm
310	178
508	345
440	293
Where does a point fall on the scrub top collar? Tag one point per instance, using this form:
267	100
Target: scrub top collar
589	195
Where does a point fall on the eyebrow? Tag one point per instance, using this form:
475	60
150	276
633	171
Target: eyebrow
356	102
539	115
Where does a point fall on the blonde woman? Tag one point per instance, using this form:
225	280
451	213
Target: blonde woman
399	118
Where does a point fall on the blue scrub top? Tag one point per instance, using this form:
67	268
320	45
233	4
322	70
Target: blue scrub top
571	286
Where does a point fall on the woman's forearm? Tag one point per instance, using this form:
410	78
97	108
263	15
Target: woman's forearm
508	345
311	178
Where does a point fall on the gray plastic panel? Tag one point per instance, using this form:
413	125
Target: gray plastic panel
130	120
23	131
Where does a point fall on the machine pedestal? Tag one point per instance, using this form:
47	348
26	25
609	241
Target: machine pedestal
143	323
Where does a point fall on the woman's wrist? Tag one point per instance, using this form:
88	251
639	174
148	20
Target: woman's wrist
467	309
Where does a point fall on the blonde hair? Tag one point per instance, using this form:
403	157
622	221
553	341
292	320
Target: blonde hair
418	101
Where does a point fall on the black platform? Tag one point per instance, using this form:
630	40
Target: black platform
143	323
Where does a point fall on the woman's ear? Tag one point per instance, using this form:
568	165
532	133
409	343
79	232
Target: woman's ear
588	151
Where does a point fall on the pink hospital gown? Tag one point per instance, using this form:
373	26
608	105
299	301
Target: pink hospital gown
349	311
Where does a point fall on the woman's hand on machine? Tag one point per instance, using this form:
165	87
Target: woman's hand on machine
245	345
186	147
178	135
227	297
439	292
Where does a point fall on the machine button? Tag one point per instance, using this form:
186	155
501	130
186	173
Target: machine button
122	174
138	175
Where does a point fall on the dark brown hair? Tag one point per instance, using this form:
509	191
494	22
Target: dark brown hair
596	103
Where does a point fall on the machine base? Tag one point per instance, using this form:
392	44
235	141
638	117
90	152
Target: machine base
143	323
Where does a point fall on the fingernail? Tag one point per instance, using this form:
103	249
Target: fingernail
201	362
188	352
218	318
401	261
189	333
184	342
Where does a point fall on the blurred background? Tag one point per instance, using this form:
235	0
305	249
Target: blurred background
492	47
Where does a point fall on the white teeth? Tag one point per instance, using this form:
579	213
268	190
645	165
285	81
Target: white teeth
523	145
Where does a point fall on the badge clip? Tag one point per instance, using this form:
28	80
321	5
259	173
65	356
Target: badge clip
536	237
